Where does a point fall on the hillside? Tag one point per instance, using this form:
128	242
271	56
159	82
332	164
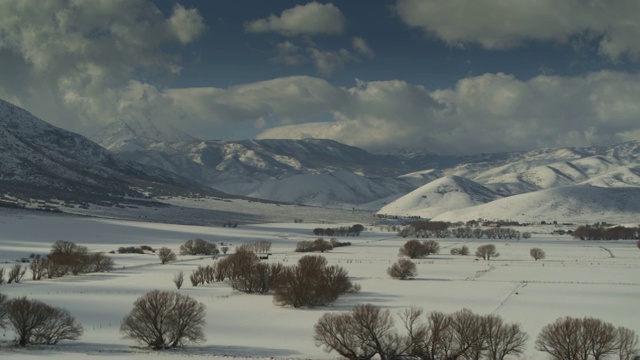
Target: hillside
41	161
576	203
441	195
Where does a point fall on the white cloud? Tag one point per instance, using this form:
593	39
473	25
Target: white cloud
310	19
361	47
497	24
70	62
488	113
186	24
288	53
330	60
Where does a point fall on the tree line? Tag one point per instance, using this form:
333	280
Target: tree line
369	331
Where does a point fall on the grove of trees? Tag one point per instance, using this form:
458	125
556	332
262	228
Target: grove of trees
198	247
599	232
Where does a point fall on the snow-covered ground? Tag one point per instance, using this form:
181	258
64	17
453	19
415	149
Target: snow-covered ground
577	278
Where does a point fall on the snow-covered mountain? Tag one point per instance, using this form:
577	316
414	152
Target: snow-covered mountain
446	193
575	203
310	171
41	161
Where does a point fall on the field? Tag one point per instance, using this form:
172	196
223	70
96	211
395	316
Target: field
577	278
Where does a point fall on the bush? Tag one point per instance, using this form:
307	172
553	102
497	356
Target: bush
35	322
486	252
415	249
178	279
537	254
165	255
66	257
403	269
198	247
163	320
464	250
3	311
311	283
319	244
130	250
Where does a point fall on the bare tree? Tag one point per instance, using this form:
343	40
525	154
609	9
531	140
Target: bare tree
627	344
537	254
487	251
16	273
334	332
165	320
361	334
178	279
165	255
638	244
38	268
1	276
224	249
35	322
579	339
403	269
502	339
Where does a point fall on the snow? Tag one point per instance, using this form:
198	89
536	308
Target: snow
578	278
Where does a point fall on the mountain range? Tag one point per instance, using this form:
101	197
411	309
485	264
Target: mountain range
144	161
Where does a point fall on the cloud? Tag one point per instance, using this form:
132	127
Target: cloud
288	53
488	113
497	24
70	62
186	24
329	61
310	19
361	47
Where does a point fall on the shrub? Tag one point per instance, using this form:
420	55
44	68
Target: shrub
130	250
35	322
319	244
403	269
165	320
178	279
486	252
16	273
311	283
3	311
165	255
198	247
537	254
415	249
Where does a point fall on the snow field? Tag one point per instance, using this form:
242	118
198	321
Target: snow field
577	278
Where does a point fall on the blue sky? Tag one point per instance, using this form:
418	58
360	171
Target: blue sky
450	76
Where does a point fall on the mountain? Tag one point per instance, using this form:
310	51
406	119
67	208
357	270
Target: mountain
441	195
41	161
575	203
309	171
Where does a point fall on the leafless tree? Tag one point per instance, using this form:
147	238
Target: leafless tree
487	251
178	279
165	320
537	254
579	339
334	332
403	269
1	276
627	344
16	273
502	339
67	247
224	249
638	244
468	334
165	255
35	322
198	247
100	262
37	267
361	334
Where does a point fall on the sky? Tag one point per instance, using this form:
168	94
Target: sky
448	77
